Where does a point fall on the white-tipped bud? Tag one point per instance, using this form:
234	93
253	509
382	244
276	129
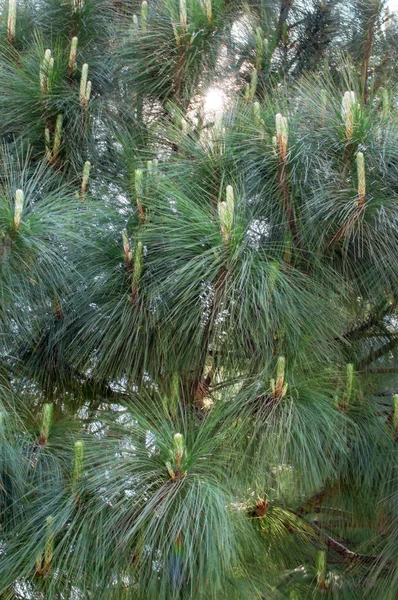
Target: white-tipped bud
85	178
282	134
361	178
226	213
144	15
222	209
47	58
183	14
152	166
77	5
12	19
126	247
135	25
230	203
44	70
208	9
57	137
280	368
347	113
83	85
19	200
138	182
178	450
46	422
72	53
280	388
83	81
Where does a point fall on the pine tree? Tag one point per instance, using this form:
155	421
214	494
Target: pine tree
198	303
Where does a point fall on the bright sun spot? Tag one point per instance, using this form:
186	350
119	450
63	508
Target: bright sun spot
214	100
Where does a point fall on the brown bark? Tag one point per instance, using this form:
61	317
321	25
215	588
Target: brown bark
288	205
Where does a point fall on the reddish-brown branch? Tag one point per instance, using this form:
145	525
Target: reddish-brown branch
287	204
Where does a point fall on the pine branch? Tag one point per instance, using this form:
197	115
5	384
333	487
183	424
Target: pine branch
310	504
384	308
375	354
286	6
370	560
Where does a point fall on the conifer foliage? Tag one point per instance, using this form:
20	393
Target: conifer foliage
198	300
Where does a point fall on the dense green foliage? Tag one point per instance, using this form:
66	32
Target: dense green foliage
198	303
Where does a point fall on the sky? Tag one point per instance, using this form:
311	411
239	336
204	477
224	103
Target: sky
393	5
